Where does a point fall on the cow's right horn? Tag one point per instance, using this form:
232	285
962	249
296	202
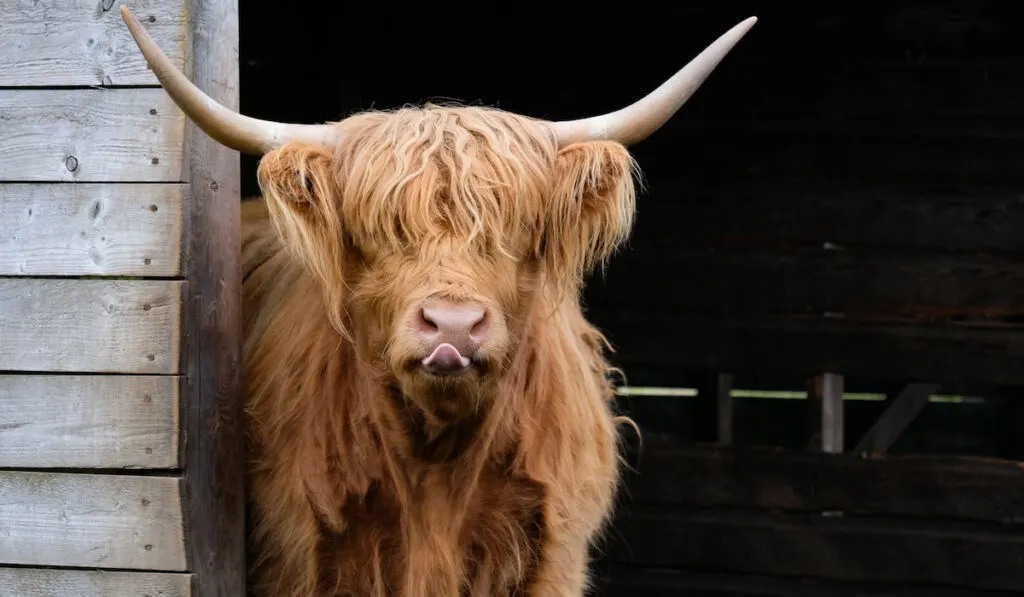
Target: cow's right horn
639	120
234	130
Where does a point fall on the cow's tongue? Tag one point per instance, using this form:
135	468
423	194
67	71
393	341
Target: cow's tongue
446	358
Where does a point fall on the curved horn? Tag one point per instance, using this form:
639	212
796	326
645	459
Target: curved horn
222	124
639	120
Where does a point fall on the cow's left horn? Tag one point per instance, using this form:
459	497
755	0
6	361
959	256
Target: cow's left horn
234	130
639	120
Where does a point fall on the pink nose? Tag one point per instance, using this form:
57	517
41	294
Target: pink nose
453	332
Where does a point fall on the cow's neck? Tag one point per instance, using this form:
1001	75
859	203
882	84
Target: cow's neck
431	438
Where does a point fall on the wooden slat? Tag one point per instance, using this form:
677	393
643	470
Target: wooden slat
861	550
124	326
944	354
948	488
971	428
762	211
621	582
826	409
82	520
90	230
724	409
102	421
91	45
32	582
90	135
812	281
904	408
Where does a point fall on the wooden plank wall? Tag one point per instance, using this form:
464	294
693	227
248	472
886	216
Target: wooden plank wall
842	195
840	199
96	194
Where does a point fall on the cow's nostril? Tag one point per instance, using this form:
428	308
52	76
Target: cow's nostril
464	325
480	327
426	322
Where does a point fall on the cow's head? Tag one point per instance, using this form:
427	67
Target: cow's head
434	231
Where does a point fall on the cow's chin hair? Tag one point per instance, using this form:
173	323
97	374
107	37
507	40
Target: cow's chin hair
445	399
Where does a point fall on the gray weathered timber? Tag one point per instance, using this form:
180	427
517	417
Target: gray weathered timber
33	582
903	409
88	421
215	447
108	326
85	520
825	406
90	230
90	135
83	42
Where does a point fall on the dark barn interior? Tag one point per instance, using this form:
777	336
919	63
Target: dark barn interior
821	313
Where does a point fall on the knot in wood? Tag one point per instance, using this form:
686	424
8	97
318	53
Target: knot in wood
71	163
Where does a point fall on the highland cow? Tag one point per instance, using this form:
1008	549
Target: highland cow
429	412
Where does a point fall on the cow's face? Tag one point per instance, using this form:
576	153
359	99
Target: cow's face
439	233
435	231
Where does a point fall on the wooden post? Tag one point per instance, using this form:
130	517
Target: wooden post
725	409
900	413
712	418
92	293
214	446
825	402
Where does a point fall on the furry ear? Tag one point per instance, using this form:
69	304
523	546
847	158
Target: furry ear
592	209
298	184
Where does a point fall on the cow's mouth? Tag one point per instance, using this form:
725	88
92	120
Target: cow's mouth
446	362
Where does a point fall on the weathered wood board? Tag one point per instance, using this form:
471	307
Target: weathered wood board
90	135
946	488
812	281
949	354
108	326
84	42
32	582
819	546
86	520
89	421
91	230
764	212
626	582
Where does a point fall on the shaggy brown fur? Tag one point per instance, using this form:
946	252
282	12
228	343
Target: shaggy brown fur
369	478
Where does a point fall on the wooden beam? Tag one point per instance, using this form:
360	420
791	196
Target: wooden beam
712	412
900	413
89	421
90	135
91	521
90	326
725	409
825	402
626	581
215	447
802	346
48	582
944	488
875	284
868	550
91	47
768	214
90	230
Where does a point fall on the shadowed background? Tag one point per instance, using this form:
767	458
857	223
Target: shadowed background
844	194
